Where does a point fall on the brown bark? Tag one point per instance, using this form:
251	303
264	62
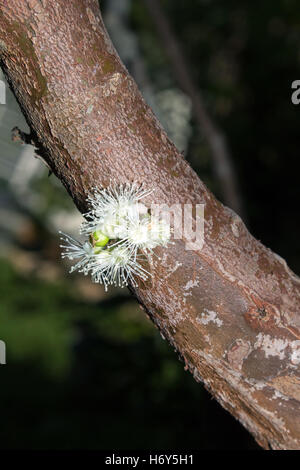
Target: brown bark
230	309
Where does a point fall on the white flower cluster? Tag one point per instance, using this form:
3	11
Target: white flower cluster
119	231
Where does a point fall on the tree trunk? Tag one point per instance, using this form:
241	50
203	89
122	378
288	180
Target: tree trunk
229	309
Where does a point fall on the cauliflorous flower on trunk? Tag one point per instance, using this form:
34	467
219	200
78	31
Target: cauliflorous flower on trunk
117	267
147	233
120	232
73	249
111	208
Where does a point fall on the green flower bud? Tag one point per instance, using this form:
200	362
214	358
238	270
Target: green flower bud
100	239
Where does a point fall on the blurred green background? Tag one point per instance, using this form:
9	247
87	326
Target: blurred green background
88	370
